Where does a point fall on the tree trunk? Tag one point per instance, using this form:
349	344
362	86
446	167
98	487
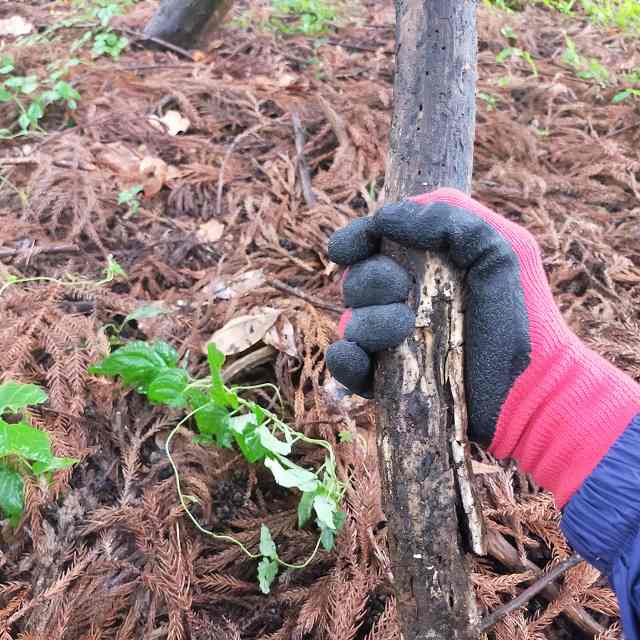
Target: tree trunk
419	388
187	23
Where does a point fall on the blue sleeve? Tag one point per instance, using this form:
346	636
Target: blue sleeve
602	523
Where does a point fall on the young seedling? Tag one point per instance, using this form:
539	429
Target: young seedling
309	17
112	271
24	449
224	418
131	197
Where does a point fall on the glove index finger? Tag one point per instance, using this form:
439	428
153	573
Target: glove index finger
355	242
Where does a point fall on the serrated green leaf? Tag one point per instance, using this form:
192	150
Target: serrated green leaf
621	96
15	396
267	545
11	494
24	121
137	363
212	420
218	392
244	431
267	571
24	440
35	111
113	269
295	477
305	506
168	354
168	388
325	508
327	537
270	442
55	464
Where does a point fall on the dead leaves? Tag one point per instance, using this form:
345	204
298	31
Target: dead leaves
134	167
172	122
244	331
15	26
211	231
264	324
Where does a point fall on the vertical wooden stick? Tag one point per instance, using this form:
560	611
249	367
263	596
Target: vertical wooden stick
419	386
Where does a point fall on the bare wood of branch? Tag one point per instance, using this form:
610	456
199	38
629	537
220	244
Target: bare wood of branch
503	551
52	249
418	420
303	169
519	601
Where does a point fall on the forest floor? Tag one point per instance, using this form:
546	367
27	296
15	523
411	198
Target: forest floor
223	228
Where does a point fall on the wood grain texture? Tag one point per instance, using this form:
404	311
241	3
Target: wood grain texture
187	23
419	386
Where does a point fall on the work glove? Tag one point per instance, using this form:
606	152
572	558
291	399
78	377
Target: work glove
535	392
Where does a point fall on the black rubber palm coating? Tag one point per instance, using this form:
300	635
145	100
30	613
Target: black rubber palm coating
497	342
354	242
381	327
351	366
378	280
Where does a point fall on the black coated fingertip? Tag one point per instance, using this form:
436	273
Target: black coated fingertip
351	366
380	327
353	243
378	280
396	221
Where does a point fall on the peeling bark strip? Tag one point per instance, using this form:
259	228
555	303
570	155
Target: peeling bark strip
187	23
419	385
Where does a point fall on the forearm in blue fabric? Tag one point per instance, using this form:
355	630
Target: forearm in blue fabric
602	523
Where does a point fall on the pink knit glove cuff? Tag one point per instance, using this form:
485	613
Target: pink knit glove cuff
569	405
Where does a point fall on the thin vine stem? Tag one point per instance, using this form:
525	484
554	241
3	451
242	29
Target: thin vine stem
208	532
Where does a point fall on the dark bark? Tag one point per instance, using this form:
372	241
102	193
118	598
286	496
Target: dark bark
187	23
419	390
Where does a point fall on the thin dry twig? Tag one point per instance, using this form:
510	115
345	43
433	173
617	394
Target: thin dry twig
538	586
303	168
285	288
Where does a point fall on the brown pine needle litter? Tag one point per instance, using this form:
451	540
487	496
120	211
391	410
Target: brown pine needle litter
106	552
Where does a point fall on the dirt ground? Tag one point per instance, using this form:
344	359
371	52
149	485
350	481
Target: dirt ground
106	552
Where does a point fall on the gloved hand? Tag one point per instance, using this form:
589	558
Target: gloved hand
535	392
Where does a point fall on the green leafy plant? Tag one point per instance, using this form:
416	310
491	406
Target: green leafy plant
624	14
489	99
24	449
32	95
626	94
630	92
309	17
109	43
112	271
509	53
224	418
131	197
586	68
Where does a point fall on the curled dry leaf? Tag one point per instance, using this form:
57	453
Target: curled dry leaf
173	122
15	26
119	158
244	331
282	337
227	289
153	175
211	231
